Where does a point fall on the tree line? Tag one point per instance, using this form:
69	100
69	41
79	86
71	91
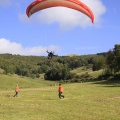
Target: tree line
59	67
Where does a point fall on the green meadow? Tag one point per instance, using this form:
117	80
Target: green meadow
38	100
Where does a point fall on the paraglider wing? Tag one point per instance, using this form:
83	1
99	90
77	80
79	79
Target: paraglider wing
73	4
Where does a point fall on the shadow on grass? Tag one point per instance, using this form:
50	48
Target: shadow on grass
111	82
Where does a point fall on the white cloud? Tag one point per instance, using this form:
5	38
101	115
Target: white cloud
16	48
5	3
68	18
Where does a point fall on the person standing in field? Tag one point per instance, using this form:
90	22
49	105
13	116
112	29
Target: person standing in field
16	91
60	90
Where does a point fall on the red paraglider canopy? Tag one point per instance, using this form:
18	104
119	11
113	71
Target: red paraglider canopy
73	4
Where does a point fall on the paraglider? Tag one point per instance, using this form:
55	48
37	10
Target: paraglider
73	4
50	55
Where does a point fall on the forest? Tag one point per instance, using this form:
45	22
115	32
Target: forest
59	68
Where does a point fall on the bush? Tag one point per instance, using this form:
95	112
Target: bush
37	75
57	74
33	76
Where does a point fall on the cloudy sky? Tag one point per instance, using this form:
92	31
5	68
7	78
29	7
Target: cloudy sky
63	30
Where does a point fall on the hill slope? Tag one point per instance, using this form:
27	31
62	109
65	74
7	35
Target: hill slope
8	82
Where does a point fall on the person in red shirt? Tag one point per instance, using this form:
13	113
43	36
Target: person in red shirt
60	90
16	91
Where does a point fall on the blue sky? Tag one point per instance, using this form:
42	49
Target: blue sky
58	29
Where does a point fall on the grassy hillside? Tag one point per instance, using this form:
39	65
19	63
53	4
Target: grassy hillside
8	82
83	70
39	101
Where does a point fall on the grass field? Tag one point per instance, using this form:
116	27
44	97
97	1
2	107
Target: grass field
38	100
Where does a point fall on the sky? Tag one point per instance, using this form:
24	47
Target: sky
62	30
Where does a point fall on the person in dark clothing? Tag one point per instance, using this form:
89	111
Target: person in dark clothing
50	55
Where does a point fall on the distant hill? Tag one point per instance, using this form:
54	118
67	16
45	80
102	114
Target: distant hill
71	55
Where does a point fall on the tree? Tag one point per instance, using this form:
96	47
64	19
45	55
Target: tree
99	63
57	74
113	60
44	68
116	51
